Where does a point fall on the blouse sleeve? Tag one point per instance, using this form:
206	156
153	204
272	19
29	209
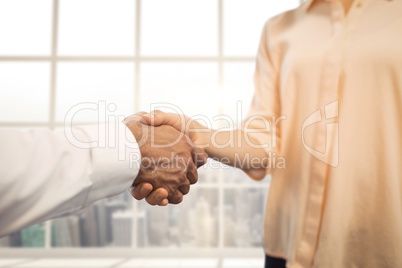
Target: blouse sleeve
261	123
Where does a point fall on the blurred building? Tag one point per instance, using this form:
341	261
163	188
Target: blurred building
122	222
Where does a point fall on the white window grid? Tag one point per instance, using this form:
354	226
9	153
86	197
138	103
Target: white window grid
137	59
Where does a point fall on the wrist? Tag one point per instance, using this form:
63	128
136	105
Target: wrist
199	134
202	139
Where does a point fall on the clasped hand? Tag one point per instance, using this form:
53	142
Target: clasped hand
169	159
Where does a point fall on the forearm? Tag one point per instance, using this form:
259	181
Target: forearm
236	148
47	176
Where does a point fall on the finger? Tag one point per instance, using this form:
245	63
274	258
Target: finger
164	203
157	197
140	116
184	189
176	198
200	157
192	174
149	119
142	190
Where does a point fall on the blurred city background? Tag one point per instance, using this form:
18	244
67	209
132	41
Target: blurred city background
196	54
202	220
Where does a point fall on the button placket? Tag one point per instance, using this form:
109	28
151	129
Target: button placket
328	94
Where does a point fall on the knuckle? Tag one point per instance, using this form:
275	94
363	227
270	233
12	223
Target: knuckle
187	183
185	189
182	177
194	179
176	198
171	189
137	197
150	201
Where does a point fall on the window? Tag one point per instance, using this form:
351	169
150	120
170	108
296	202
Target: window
195	54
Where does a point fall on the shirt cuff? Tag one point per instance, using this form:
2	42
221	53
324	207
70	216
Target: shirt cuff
115	159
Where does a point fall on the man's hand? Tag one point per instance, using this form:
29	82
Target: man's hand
169	163
145	190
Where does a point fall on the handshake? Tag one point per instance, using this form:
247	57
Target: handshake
170	156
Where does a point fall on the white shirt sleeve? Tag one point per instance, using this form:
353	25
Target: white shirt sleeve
46	174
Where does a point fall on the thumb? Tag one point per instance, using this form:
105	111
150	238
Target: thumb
149	119
157	118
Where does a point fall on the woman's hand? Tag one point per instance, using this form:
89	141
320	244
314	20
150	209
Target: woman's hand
199	134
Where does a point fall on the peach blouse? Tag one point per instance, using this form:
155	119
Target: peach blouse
333	83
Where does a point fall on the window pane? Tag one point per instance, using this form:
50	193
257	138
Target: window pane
188	88
243	22
179	27
244	217
96	27
193	223
109	83
24	91
25	27
238	89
